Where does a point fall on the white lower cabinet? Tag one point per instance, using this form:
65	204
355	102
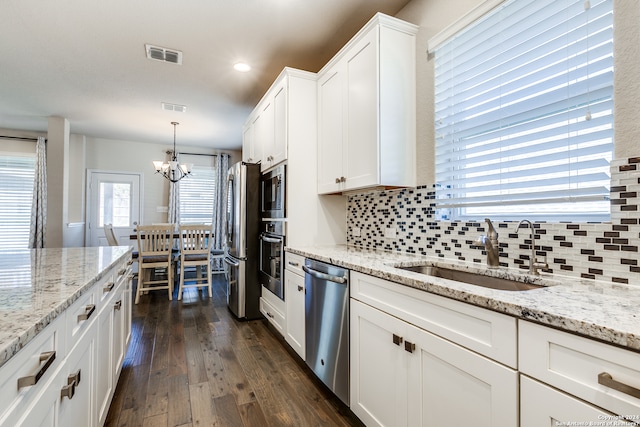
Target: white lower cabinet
294	291
402	375
273	309
76	384
75	361
599	374
543	406
295	320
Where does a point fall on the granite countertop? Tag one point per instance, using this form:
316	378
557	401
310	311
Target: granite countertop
605	311
37	285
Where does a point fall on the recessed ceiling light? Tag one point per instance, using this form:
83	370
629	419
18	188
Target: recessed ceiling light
242	67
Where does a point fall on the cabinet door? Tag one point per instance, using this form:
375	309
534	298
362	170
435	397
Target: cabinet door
118	344
448	383
104	361
330	130
76	409
295	322
541	406
280	134
361	143
378	370
264	136
248	144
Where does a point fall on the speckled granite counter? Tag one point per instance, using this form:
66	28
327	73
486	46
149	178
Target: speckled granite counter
605	311
37	285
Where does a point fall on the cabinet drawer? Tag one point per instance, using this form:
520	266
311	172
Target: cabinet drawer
294	263
274	316
574	364
34	364
486	332
80	315
122	271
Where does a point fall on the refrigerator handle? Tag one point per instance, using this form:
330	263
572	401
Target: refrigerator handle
324	276
231	262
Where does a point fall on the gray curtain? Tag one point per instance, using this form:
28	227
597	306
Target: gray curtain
39	207
220	205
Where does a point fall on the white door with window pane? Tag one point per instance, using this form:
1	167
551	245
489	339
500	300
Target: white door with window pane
114	198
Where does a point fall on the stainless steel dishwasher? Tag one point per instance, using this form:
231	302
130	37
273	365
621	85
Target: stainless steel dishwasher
327	324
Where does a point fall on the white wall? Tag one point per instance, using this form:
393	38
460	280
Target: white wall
434	15
131	156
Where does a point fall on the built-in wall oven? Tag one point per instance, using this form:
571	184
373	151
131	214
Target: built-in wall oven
272	194
272	241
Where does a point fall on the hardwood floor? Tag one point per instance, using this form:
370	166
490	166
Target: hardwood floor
191	363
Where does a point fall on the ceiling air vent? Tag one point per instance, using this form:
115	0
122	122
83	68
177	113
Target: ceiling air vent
163	54
174	107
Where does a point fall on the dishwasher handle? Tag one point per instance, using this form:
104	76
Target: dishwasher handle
324	276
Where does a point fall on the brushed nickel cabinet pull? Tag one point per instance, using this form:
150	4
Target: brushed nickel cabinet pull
47	357
409	346
269	314
397	340
68	391
300	288
343	179
130	262
74	378
121	271
108	287
606	379
295	264
117	305
337	180
88	311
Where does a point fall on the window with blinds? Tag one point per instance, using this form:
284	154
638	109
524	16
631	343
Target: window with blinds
524	113
16	197
197	193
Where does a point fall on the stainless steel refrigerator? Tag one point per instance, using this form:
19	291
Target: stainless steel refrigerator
242	250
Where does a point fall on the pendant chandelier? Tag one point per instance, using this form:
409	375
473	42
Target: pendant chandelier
173	170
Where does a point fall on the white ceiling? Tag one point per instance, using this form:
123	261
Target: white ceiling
85	60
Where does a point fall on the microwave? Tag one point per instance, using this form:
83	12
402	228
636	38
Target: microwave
272	193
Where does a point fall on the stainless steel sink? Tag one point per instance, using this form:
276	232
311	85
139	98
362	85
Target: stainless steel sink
472	278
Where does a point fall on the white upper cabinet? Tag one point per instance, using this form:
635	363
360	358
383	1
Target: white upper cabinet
367	110
266	133
250	151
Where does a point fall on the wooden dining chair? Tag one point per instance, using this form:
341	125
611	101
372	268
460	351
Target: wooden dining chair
155	244
195	251
110	235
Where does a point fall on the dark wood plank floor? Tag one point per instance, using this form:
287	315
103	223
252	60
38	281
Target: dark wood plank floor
191	363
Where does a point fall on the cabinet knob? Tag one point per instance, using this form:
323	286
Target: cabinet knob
117	305
68	391
409	346
300	288
343	179
337	180
397	340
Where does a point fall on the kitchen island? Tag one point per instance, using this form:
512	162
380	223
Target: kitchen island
65	327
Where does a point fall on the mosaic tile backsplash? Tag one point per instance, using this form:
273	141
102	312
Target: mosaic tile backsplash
602	251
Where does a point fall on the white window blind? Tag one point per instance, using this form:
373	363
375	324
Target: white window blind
16	198
524	113
197	194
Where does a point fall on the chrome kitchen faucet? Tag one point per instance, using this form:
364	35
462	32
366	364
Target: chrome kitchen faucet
533	265
490	243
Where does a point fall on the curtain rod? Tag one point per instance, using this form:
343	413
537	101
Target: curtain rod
22	138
